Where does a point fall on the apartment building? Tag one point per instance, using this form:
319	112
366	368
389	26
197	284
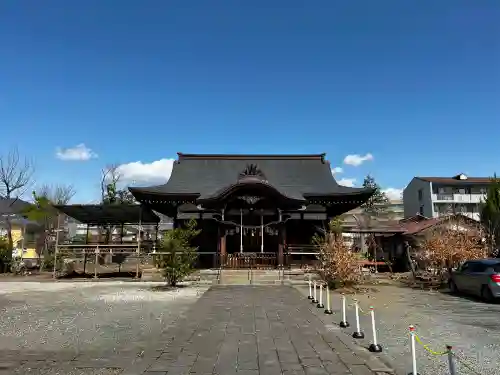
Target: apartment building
438	196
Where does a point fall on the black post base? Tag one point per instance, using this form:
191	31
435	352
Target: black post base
358	335
320	306
375	348
411	373
314	300
309	297
328	312
344	324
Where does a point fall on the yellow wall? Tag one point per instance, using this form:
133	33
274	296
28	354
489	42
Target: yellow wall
17	236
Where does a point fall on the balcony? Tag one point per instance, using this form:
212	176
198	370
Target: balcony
442	197
459	198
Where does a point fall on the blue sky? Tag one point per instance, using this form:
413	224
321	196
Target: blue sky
413	84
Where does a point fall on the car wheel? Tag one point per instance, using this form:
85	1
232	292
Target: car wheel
453	287
486	294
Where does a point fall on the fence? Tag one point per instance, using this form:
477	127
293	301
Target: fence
248	261
456	363
101	260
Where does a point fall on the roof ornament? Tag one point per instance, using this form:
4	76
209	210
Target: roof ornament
252	172
461	176
251	200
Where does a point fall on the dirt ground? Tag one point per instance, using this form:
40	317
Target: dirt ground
471	326
56	319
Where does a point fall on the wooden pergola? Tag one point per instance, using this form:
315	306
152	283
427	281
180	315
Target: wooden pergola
105	216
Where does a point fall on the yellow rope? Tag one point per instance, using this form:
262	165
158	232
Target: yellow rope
426	347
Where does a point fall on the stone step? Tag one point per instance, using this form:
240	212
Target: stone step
201	276
234	281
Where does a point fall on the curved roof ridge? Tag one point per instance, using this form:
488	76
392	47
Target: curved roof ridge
321	157
228	189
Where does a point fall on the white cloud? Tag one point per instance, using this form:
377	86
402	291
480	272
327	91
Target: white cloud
347	182
393	193
356	159
337	170
157	171
78	153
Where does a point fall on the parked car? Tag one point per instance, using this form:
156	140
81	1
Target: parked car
477	277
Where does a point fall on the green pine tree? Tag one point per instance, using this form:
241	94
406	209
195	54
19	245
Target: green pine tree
376	204
490	213
178	255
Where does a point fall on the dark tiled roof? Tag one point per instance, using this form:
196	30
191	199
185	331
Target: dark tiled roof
294	176
109	214
12	206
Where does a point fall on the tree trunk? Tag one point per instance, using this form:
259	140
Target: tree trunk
10	240
84	261
412	266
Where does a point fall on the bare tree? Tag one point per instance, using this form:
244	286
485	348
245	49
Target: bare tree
57	194
15	178
110	177
43	212
339	265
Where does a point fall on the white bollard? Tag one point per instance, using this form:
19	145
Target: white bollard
320	303
358	334
344	323
413	354
314	300
374	347
328	306
310	296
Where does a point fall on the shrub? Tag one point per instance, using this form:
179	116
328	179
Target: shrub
5	254
451	244
177	256
64	263
339	265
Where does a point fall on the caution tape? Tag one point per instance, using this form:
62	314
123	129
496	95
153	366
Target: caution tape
426	347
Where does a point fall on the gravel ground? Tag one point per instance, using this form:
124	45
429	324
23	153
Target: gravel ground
87	317
470	326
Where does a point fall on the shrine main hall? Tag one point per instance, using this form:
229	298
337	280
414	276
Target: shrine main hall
258	204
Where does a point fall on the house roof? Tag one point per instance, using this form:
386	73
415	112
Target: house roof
456	180
421	223
294	176
110	214
408	226
12	206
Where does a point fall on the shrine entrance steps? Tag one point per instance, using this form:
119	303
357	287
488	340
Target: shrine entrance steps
247	277
225	276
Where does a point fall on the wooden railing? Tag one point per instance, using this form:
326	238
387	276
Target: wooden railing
304	249
248	261
125	248
301	256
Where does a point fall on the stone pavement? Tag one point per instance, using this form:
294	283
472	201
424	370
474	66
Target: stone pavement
247	330
251	330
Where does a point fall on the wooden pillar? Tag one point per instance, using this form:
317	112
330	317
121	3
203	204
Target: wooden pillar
282	245
222	245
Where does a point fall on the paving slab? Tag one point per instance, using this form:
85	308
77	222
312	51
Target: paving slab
257	330
246	330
